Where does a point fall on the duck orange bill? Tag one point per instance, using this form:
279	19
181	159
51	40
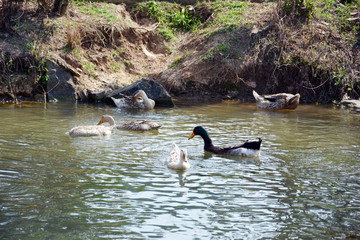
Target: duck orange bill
100	122
192	135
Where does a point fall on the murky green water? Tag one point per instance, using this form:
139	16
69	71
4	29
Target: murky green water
306	184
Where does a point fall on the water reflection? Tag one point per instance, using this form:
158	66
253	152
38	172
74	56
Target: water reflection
305	184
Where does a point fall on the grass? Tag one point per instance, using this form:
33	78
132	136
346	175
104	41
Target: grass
338	15
229	15
104	12
179	59
172	18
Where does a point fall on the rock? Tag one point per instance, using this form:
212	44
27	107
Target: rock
98	95
60	85
152	89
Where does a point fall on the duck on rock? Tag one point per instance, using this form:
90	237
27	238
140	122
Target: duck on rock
138	100
277	101
246	149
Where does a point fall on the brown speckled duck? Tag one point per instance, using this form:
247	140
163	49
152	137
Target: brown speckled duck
246	149
277	101
139	125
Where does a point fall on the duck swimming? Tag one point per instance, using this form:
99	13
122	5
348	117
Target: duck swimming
139	125
178	159
246	149
94	130
277	101
138	100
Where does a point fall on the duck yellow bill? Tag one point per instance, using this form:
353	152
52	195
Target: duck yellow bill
192	135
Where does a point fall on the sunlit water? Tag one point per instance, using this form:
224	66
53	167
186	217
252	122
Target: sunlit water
305	185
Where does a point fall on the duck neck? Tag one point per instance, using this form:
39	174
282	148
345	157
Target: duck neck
111	121
148	103
207	140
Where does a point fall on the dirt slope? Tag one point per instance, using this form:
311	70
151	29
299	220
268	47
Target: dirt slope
111	46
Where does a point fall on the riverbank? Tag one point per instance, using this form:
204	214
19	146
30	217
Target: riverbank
235	47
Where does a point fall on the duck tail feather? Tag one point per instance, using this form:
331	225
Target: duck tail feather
256	96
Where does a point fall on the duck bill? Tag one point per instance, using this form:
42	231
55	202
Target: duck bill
100	122
192	135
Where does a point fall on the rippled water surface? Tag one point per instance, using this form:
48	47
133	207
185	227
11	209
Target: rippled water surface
305	185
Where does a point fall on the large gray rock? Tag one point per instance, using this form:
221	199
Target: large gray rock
61	83
152	89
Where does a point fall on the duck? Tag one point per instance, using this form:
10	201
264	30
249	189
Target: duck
177	159
246	149
94	130
277	101
138	100
139	125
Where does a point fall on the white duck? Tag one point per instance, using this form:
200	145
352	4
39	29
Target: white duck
94	130
178	159
138	100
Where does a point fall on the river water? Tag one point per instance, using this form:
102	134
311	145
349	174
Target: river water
305	184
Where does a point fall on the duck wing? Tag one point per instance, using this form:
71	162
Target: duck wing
250	145
270	99
139	124
90	131
123	102
174	155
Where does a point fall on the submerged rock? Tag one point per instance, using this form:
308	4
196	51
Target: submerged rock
152	89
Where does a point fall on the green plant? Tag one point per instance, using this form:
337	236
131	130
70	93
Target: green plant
170	19
102	11
152	8
341	76
90	68
300	8
183	19
223	48
42	72
229	13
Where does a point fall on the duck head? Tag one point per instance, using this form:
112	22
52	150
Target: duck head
199	130
141	98
107	118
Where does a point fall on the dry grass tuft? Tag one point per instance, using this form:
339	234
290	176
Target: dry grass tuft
73	37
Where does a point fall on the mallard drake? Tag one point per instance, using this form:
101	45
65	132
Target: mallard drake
138	100
178	159
277	101
246	149
94	130
139	125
